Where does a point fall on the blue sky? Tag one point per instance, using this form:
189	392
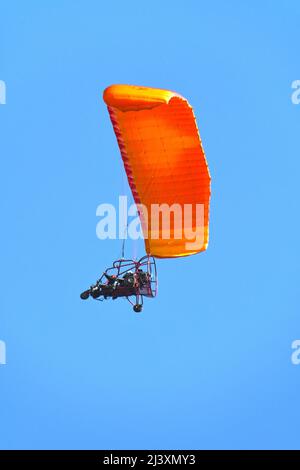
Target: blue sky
208	363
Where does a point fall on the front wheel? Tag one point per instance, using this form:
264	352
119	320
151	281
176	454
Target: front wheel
137	308
85	295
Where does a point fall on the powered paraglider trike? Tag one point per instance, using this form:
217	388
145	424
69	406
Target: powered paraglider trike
126	278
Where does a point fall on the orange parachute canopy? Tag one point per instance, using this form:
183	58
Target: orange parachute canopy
165	165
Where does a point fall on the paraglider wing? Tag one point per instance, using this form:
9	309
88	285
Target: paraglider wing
165	165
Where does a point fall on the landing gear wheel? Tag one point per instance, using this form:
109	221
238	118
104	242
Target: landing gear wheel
137	308
85	295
